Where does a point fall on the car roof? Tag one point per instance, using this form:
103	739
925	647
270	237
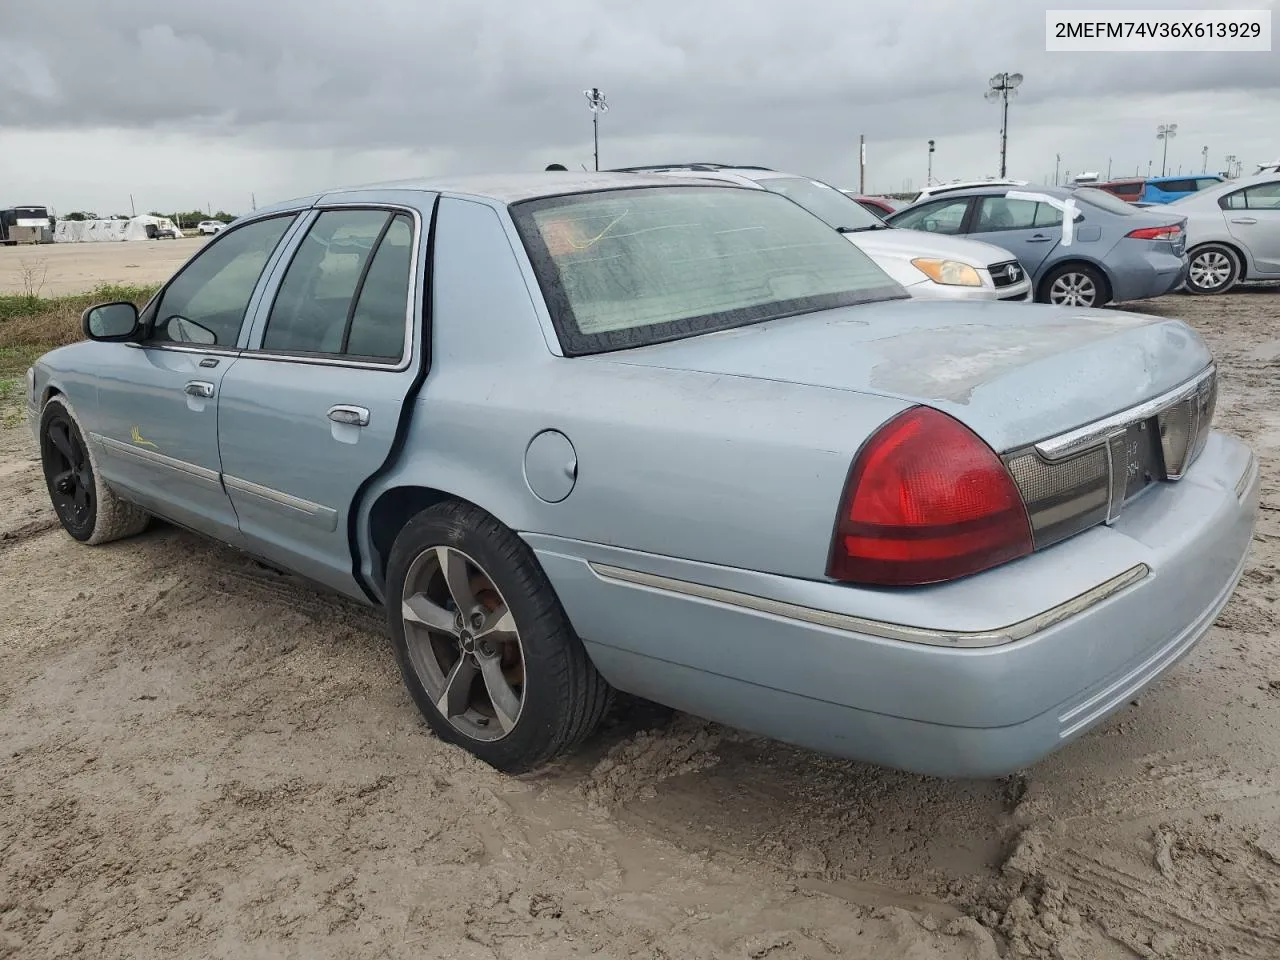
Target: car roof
718	171
1000	189
510	188
1184	176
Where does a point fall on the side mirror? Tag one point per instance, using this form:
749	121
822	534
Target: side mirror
111	322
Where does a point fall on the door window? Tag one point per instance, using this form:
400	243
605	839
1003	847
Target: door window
945	216
346	291
205	303
1262	196
1000	213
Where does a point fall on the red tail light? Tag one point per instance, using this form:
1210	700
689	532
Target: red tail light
927	500
1155	233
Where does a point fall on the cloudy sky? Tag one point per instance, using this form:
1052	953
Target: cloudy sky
185	104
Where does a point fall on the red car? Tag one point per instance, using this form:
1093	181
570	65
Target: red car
1127	190
880	206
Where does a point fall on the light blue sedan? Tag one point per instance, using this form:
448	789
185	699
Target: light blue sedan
586	433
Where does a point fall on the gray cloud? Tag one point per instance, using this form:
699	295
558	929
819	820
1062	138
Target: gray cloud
493	85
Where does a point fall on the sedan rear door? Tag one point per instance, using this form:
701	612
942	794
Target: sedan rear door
1253	217
311	410
1029	229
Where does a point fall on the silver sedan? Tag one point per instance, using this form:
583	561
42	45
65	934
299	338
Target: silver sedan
1233	233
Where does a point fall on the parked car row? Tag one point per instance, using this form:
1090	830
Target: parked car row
673	434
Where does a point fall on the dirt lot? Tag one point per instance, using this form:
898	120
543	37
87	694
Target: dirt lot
201	758
54	269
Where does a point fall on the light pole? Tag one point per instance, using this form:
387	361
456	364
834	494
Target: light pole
597	104
1057	166
929	178
1204	152
1166	132
1001	87
1231	166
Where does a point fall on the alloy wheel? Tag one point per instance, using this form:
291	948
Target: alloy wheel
1210	270
1073	290
463	643
69	474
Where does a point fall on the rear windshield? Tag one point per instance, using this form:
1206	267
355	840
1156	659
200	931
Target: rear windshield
1107	201
836	208
626	268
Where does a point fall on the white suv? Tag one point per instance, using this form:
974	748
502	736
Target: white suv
210	227
940	268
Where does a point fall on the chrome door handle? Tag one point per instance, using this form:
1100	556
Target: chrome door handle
344	413
199	388
1244	220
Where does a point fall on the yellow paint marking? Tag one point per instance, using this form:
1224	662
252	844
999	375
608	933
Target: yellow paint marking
136	436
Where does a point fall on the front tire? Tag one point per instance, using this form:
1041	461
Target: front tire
85	505
484	647
1074	285
1213	268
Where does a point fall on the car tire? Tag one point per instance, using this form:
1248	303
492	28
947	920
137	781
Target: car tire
1217	266
517	697
86	507
1074	285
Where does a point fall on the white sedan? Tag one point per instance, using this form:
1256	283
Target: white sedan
1233	233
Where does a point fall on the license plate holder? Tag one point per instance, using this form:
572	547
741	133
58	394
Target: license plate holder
1144	457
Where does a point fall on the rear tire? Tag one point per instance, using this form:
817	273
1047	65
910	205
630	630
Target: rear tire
1075	285
85	505
501	673
1213	268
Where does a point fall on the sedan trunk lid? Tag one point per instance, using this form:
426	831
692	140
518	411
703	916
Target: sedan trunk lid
1012	376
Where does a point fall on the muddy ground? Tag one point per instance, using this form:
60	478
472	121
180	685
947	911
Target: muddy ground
201	758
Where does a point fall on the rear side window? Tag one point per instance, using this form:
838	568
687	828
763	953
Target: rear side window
346	289
1176	186
1262	196
624	268
999	213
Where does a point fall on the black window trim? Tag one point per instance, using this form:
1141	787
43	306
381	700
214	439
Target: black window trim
577	344
150	309
417	293
1224	200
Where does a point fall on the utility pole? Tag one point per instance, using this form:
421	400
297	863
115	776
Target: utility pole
1057	166
597	104
253	201
862	163
133	211
929	178
1001	87
1166	132
1108	168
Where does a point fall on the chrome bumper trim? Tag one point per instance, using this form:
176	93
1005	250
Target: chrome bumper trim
877	628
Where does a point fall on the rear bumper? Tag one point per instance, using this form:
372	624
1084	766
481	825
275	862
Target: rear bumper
982	697
1151	274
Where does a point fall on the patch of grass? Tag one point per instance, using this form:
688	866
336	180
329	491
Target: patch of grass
31	324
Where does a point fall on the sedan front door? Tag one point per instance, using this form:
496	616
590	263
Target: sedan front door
311	411
1029	229
158	398
1253	217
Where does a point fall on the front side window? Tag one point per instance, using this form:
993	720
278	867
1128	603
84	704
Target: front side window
942	216
625	268
205	303
346	289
